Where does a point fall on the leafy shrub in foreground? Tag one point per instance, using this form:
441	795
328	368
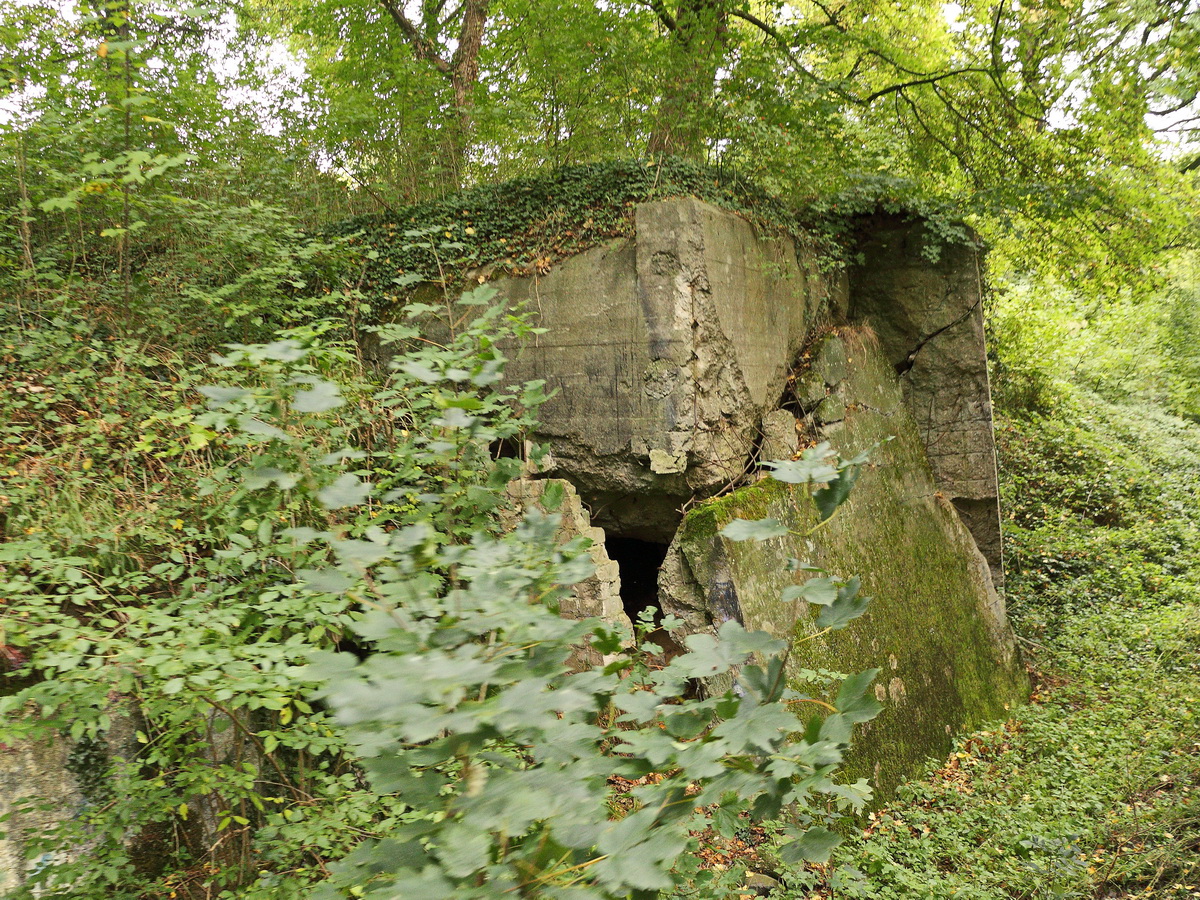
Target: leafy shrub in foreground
462	756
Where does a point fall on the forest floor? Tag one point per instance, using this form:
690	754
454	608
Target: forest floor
1092	790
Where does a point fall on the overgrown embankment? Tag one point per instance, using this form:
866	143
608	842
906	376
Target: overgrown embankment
1094	789
525	226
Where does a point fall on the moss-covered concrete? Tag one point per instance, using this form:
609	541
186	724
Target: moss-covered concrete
936	627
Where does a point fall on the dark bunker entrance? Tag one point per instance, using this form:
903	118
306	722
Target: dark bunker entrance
639	562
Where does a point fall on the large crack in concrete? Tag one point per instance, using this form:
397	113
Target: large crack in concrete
904	366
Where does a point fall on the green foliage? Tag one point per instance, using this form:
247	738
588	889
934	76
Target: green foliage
157	610
470	710
1099	507
1118	339
171	566
169	631
1090	791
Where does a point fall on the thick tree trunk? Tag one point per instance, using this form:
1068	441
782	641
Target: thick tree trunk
699	31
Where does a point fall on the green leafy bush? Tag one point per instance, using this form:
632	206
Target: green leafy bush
306	508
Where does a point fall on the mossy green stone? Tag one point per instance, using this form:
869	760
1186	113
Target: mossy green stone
935	627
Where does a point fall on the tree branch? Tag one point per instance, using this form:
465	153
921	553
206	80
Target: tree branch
664	16
929	79
422	47
465	62
784	45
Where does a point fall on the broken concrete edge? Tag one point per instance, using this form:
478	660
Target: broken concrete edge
695	422
711	375
598	595
708	385
684	338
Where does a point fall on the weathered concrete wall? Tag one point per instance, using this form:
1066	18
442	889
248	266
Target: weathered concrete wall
36	792
666	352
47	780
51	781
923	298
936	625
669	354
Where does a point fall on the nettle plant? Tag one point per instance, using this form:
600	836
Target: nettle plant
355	678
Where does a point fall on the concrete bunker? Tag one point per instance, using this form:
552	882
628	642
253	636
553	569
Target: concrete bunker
684	356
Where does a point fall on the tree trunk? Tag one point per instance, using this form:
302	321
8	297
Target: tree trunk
700	31
461	72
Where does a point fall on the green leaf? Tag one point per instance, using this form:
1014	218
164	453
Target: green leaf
848	606
817	591
348	490
811	845
480	296
834	494
753	530
321	397
282	351
260	477
853	702
251	425
552	496
222	395
419	371
811	468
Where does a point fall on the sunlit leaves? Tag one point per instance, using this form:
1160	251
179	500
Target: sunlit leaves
747	530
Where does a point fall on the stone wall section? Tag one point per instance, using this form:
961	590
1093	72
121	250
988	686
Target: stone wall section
922	297
598	595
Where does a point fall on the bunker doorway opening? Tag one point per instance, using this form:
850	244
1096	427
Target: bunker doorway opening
639	562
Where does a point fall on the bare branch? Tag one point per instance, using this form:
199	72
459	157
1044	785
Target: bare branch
1183	104
830	15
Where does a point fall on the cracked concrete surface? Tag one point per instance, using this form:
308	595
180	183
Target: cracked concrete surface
666	353
669	354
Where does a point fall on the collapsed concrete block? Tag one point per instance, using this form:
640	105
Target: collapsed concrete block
936	626
684	356
666	352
